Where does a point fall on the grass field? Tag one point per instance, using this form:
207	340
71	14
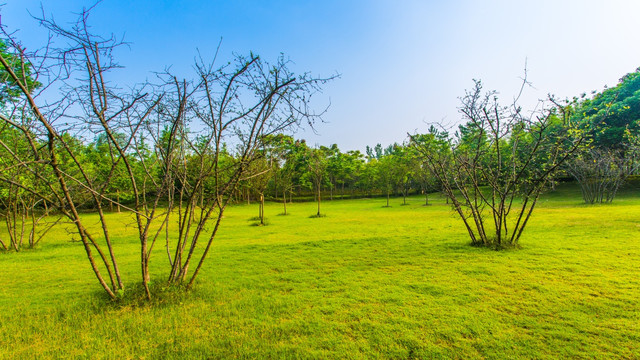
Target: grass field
363	282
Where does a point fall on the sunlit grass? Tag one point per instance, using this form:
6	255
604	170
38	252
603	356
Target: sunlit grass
363	282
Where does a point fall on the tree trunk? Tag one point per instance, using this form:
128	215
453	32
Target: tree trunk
145	272
275	184
284	201
202	197
318	201
262	209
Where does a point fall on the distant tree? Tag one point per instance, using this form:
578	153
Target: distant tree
352	167
294	172
335	168
279	150
260	172
404	170
368	177
369	153
387	174
317	166
378	151
601	171
426	180
276	148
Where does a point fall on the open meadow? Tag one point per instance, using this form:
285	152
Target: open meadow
444	197
363	282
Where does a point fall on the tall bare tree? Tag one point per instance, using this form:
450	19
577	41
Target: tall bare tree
184	144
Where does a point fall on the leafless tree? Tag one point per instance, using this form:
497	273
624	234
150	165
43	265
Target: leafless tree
26	218
47	130
237	106
184	144
496	166
601	172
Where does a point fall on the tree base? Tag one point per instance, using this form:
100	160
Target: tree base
496	246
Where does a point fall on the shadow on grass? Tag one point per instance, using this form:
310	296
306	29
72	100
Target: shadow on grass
496	246
23	249
257	222
463	245
134	296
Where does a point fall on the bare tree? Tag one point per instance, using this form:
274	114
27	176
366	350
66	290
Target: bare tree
601	172
26	218
496	166
48	129
171	139
239	105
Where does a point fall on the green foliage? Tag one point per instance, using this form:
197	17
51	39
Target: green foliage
611	112
9	89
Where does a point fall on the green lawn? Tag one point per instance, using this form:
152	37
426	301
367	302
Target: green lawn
363	282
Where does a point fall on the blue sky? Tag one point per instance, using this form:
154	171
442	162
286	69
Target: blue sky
403	63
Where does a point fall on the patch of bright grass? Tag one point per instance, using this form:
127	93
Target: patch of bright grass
364	282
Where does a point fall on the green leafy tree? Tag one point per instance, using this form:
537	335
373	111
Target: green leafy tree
404	170
10	88
353	164
368	177
387	174
610	113
317	162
